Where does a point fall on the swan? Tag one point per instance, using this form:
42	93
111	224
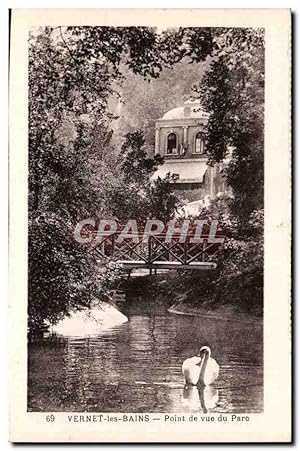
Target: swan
201	369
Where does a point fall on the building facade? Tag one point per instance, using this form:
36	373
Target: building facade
180	139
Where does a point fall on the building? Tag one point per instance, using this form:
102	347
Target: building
180	139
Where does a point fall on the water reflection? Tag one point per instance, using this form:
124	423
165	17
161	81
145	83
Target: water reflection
136	367
200	399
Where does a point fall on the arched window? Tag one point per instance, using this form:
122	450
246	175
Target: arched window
172	143
199	143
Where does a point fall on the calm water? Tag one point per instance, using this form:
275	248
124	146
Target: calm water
136	367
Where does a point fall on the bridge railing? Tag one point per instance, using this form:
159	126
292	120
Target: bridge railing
155	249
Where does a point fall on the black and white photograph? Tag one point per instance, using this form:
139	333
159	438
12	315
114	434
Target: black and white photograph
149	203
146	214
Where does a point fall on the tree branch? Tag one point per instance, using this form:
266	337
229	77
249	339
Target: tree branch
66	45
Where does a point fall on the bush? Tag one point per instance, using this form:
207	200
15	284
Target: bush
63	276
238	279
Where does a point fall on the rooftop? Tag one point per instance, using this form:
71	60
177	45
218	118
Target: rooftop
189	110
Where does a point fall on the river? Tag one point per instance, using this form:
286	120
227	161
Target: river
136	367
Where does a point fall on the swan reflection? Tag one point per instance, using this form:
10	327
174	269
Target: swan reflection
202	398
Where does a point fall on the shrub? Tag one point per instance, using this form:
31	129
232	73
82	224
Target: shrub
63	276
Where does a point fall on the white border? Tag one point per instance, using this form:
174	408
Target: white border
277	93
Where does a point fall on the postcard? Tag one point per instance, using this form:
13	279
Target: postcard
150	225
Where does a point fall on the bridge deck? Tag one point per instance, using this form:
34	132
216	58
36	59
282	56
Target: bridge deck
134	264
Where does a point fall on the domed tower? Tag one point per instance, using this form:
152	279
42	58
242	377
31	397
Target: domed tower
180	139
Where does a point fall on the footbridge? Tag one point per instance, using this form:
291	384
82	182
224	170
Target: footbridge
157	252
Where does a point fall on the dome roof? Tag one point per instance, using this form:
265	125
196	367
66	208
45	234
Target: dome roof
191	109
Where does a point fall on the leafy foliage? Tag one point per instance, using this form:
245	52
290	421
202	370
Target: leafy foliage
238	280
135	196
72	73
135	163
76	168
232	91
162	198
241	269
57	270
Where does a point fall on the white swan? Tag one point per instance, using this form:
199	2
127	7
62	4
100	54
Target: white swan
200	369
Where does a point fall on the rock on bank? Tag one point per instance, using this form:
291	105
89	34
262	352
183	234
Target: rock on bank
88	322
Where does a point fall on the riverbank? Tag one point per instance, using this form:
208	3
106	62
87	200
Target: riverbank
187	294
224	313
87	322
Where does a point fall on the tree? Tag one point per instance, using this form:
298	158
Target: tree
232	91
135	195
164	203
135	163
71	76
74	171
